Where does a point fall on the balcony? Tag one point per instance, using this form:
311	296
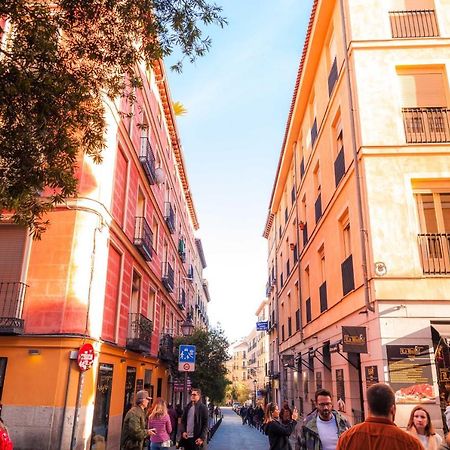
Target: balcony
190	272
426	125
147	159
323	297
339	166
143	238
435	253
314	133
413	23
348	280
169	217
182	299
182	249
12	295
168	276
332	77
165	352
140	331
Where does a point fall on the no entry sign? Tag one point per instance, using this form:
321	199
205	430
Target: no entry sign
86	357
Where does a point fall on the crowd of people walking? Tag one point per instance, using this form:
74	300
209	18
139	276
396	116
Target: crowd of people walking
157	427
324	428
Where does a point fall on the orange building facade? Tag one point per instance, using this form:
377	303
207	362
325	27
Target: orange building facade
358	227
119	268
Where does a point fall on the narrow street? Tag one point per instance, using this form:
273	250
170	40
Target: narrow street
233	435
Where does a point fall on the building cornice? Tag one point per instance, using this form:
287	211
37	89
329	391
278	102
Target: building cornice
169	114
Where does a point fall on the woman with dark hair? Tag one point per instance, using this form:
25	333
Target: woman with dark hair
278	432
420	426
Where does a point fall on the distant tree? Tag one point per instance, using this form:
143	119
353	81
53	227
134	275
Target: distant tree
212	355
60	59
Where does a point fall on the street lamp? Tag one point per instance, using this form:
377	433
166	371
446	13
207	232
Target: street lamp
254	384
187	328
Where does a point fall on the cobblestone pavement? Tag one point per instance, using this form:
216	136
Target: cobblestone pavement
231	435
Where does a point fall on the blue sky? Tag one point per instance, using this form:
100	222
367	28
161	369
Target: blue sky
238	98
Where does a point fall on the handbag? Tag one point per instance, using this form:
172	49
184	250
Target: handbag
167	443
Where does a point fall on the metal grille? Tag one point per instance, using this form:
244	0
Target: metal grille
413	23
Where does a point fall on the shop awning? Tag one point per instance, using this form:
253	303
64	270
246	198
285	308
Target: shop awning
442	328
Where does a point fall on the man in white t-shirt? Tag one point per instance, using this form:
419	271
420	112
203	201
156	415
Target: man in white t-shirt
323	427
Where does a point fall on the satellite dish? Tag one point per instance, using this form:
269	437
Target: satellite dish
380	269
160	175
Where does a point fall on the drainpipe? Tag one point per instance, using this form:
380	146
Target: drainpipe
277	316
297	235
362	230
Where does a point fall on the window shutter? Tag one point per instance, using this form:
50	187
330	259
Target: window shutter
423	89
12	246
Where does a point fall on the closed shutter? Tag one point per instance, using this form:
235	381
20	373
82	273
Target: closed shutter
414	4
12	247
423	89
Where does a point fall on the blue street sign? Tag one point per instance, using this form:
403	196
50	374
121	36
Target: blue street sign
187	354
262	326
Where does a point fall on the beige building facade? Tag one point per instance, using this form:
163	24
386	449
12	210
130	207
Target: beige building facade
358	226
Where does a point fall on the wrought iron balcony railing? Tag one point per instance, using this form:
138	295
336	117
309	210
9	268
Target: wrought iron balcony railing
12	295
426	125
147	159
169	217
143	238
168	276
166	352
140	330
413	23
182	299
435	253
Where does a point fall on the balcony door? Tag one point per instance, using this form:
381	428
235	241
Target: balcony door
434	219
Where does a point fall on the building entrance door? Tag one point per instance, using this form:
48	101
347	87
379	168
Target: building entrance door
102	404
130	386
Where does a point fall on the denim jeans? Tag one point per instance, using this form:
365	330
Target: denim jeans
155	446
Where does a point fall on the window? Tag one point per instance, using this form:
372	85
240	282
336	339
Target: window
135	305
151	304
434	212
155	231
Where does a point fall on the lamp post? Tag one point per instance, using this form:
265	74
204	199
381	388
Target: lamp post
187	328
254	384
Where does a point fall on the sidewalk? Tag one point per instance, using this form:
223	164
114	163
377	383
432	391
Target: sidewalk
233	435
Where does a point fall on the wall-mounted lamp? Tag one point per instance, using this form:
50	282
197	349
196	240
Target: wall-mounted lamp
122	360
292	246
34	351
301	225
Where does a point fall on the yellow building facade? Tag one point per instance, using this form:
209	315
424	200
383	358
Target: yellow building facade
358	226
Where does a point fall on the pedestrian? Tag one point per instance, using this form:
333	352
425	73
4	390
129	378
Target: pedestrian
420	426
378	431
278	432
134	429
323	426
243	414
194	423
5	440
159	422
173	421
447	415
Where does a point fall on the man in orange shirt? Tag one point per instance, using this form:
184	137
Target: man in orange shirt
379	431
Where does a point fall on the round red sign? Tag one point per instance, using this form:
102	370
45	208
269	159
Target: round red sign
85	357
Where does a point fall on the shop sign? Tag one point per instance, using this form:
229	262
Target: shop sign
85	357
262	326
444	375
371	375
288	360
410	373
354	339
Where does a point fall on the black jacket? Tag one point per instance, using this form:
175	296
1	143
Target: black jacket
279	434
200	422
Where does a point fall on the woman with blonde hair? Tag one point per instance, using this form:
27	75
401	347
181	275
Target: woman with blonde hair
159	422
420	426
278	432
